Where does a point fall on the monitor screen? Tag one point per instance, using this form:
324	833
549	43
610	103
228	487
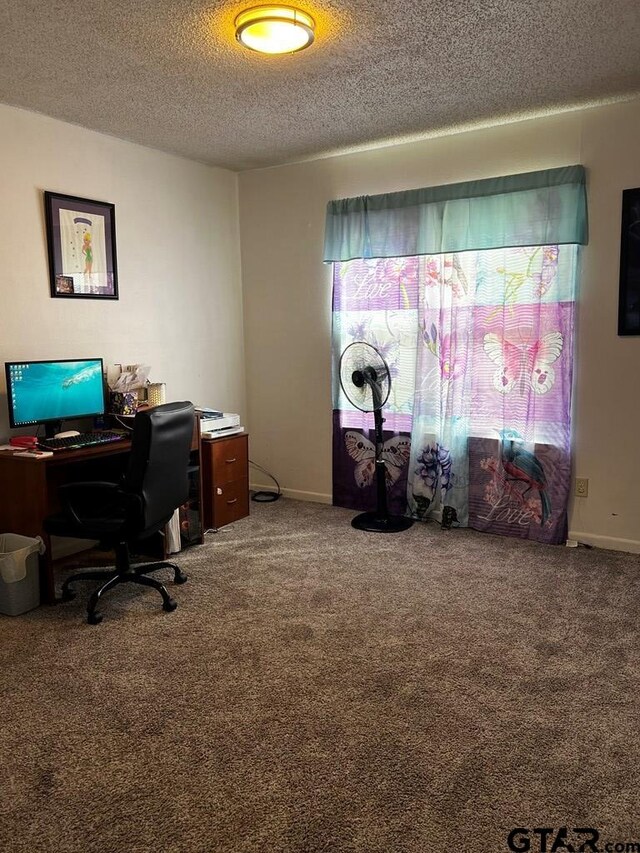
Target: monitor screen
45	391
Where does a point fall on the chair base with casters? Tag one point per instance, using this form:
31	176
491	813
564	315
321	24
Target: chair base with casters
124	573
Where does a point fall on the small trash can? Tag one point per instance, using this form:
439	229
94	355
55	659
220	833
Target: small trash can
19	575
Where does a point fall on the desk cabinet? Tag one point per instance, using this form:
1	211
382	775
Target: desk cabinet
225	479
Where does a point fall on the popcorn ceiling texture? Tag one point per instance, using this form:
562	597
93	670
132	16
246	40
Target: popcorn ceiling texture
169	74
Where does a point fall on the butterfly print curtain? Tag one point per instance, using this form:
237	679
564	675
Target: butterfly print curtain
479	345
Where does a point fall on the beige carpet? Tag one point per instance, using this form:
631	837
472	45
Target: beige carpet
323	689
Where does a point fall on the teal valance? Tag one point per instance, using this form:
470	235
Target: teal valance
531	209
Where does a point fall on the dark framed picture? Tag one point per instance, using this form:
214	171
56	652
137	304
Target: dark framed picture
81	239
629	299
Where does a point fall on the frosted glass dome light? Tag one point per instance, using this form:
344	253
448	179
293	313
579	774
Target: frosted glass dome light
275	29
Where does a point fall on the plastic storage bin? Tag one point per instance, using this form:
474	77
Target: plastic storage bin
19	575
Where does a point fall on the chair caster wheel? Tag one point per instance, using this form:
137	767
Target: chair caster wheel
170	605
181	578
94	618
68	595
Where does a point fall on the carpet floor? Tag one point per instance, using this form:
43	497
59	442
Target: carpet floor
324	689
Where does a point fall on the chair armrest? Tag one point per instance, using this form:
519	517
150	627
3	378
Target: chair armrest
96	487
76	496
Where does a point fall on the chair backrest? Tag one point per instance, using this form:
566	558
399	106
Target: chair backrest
159	461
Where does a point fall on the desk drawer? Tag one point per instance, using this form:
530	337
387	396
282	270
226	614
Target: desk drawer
229	458
230	502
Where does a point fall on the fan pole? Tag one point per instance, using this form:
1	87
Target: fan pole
382	509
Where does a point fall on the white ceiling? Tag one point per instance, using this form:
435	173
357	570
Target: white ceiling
169	73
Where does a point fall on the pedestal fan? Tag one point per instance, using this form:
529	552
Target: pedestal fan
366	382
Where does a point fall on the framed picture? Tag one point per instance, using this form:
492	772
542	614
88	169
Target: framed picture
629	299
81	239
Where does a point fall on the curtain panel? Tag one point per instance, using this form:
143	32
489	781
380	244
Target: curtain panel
479	344
532	209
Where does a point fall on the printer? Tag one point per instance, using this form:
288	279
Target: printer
214	424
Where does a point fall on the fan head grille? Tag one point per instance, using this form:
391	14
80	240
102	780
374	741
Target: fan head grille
364	376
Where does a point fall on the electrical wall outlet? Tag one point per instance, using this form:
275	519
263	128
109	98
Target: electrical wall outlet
582	487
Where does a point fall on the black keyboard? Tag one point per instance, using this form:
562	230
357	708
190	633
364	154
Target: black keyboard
85	439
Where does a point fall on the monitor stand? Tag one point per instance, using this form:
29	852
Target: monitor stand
52	428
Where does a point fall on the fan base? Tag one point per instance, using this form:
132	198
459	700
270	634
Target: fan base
373	523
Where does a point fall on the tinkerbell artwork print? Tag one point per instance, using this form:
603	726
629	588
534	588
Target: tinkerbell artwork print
81	237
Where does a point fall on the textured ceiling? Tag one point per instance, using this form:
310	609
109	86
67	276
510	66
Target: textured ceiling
169	74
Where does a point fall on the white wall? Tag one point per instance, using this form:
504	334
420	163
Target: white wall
287	295
180	306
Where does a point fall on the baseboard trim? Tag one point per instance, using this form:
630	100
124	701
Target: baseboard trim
610	543
296	494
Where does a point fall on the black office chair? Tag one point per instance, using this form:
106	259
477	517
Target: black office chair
119	514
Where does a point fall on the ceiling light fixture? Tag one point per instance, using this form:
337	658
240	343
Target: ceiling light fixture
275	29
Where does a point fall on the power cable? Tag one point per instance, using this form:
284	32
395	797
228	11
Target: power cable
262	496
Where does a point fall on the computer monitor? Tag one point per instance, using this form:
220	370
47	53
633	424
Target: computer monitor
47	392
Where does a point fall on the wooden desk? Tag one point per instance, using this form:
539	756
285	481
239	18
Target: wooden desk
29	489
